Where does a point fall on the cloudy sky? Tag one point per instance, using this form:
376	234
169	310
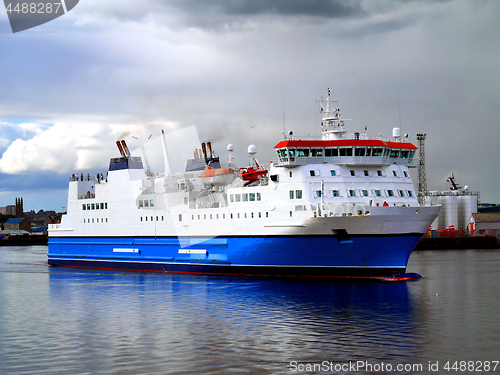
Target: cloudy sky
109	70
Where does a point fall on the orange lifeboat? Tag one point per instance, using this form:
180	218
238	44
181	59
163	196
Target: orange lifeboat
217	176
251	174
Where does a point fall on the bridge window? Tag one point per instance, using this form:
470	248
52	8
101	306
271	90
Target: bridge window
335	193
359	151
404	154
365	172
317	152
352	193
252	197
238	198
412	153
394	154
345	151
378	151
401	193
390	193
245	197
331	152
378	193
258	196
298	194
332	172
291	194
283	155
352	172
368	151
303	153
364	192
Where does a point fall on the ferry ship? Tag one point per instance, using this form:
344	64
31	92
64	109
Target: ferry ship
342	205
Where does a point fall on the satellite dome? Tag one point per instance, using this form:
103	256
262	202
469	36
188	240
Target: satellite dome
252	149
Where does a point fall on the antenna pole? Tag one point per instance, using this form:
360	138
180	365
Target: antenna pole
399	103
283	100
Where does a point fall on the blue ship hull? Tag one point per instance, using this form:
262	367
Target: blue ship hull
308	256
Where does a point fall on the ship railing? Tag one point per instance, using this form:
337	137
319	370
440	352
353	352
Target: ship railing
86	196
451	192
338	210
96	179
54	226
363	136
148	191
206	204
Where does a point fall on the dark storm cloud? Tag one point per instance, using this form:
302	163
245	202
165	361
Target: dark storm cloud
315	8
220	13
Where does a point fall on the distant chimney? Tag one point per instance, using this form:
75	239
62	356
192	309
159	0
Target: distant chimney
19	208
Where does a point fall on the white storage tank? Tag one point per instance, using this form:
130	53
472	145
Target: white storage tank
467	206
449	211
434	201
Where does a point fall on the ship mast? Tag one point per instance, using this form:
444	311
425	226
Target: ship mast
332	125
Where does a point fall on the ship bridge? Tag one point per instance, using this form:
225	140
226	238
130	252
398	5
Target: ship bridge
349	152
336	146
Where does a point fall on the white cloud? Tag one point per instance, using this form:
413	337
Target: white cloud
65	148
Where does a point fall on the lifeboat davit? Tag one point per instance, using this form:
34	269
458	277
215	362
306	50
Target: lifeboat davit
251	174
217	176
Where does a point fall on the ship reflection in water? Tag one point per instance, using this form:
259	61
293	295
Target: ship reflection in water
230	323
68	321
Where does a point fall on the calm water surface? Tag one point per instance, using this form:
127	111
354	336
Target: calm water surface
65	321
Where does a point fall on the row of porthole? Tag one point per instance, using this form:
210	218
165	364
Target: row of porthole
252	197
152	218
94	206
364	193
204	217
88	221
231	216
354	173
